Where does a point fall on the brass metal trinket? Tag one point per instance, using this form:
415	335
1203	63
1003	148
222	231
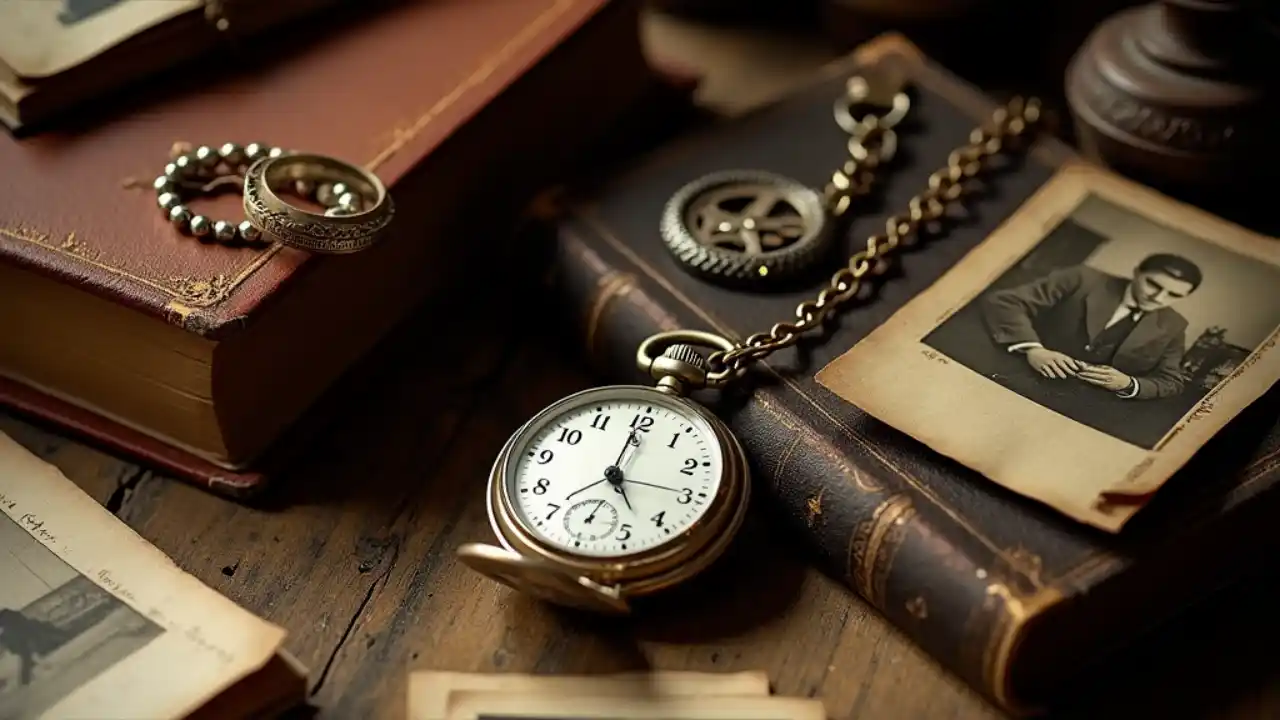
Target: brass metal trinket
757	229
356	207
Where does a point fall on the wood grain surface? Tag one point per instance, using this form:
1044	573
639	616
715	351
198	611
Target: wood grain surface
353	554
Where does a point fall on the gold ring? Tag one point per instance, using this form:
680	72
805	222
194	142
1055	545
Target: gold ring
359	211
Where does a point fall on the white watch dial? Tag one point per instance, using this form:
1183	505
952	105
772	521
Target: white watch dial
614	477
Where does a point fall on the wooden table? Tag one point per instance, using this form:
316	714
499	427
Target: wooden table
354	555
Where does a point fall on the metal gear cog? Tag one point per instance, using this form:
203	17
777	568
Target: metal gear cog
746	227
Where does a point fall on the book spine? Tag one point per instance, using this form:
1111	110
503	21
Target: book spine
875	535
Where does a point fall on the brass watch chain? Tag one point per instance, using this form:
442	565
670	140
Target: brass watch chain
873	142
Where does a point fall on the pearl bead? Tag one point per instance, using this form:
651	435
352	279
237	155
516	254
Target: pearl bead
232	153
224	232
168	201
201	226
206	156
304	188
184	163
249	232
179	215
253	151
324	194
340	189
171	169
350	202
275	152
163	184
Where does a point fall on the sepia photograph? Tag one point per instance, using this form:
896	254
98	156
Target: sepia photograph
1090	346
97	622
1117	321
58	630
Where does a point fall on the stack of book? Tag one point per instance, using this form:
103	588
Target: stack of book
198	359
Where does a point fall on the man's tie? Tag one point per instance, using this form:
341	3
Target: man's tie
1112	336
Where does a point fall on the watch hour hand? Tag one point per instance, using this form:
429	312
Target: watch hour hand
631	440
623	492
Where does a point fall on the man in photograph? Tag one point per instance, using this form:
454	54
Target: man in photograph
1081	324
27	639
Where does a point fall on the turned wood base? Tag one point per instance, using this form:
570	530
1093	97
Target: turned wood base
1184	117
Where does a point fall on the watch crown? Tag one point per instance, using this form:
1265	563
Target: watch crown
678	368
686	354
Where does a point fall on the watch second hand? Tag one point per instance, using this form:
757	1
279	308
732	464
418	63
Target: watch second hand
648	484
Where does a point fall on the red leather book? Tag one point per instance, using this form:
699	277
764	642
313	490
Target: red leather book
1016	599
199	357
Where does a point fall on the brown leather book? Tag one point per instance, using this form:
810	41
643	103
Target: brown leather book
1011	596
198	357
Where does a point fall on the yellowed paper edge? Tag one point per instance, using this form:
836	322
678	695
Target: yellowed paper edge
34	44
1002	435
429	690
206	642
468	705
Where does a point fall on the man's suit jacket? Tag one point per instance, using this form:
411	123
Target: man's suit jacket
1067	308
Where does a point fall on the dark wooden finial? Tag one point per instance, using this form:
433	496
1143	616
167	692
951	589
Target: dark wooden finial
1177	94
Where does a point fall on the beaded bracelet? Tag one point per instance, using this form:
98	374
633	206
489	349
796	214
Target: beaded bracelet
205	169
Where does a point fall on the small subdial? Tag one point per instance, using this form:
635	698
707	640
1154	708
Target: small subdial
591	520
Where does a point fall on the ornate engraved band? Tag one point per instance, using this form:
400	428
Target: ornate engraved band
358	206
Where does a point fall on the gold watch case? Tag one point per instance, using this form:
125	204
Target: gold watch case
530	565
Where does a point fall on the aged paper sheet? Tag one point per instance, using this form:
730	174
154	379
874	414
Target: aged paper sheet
39	38
1085	350
95	622
468	705
429	691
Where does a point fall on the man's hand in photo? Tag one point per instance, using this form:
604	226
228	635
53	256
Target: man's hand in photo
1105	376
1053	364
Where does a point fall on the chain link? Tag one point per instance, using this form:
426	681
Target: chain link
946	185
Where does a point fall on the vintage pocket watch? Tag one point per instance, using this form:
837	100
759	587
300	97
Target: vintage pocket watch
618	492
